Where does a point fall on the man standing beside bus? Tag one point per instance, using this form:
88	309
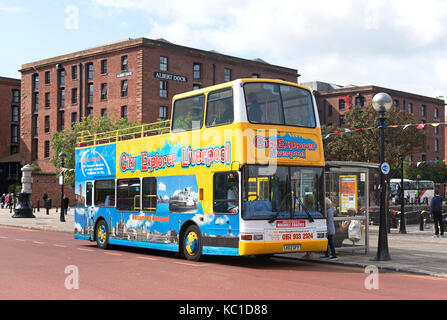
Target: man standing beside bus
436	212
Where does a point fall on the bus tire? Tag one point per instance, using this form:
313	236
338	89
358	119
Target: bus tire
102	234
192	243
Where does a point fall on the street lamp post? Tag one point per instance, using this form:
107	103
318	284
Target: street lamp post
402	227
62	156
382	103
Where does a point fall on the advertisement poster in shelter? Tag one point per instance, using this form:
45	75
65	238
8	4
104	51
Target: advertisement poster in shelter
348	193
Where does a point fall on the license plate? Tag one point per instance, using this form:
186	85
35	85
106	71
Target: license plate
293	247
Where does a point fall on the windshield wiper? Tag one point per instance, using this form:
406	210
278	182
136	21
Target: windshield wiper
305	209
275	217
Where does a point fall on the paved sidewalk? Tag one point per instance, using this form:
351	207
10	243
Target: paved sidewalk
414	252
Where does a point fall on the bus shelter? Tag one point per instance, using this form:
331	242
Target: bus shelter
348	187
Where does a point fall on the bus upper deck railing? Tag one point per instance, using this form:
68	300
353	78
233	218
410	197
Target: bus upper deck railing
85	138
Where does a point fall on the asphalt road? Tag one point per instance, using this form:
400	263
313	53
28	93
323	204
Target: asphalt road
52	265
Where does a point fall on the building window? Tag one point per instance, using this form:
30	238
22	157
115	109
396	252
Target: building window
341	104
436	113
359	101
424	157
197	69
47	149
103	91
423	110
163	63
410	108
124	63
74	95
329	110
36	125
61	77
89	71
89	112
14	149
395	103
47	77
15	96
47	124
255	75
90	93
163	112
227	74
15	111
342	120
195	86
436	145
124	112
35	81
74	72
61	98
61	120
163	88
74	118
103	66
14	133
36	101
47	99
436	129
36	149
104	112
124	88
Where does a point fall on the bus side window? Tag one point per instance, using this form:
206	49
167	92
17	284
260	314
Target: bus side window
89	194
105	193
149	194
225	192
128	194
220	108
188	113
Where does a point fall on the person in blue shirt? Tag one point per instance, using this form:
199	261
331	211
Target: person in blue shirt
436	212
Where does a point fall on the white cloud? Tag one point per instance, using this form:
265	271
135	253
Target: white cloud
394	42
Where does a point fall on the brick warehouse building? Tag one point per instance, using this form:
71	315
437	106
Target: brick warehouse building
334	101
136	78
9	148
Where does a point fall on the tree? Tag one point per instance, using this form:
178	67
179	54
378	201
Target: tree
363	144
65	140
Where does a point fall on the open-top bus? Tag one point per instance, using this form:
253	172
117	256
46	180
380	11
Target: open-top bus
238	170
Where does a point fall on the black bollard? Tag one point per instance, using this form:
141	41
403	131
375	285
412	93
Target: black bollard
421	222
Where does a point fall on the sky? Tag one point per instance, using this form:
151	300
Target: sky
397	44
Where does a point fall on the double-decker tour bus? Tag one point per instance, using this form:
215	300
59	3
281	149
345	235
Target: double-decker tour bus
238	170
415	191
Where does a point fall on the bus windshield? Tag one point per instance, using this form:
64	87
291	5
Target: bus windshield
280	104
288	193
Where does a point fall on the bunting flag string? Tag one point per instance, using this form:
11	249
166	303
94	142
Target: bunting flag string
420	126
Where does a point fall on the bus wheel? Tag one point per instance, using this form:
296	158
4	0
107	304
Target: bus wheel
192	243
102	234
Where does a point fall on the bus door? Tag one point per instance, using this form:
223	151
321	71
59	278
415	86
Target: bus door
226	205
89	204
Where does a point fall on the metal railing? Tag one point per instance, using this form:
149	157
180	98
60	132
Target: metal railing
85	138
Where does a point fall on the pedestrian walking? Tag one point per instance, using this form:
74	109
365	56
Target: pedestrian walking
436	213
66	202
330	230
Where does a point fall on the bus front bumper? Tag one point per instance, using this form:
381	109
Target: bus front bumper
268	247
